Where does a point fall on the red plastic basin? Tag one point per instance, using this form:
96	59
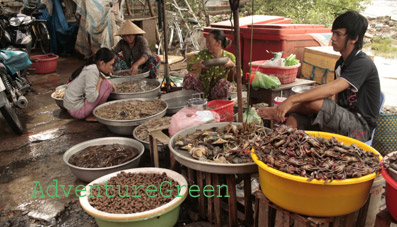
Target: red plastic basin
391	192
43	64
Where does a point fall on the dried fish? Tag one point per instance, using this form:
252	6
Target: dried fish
142	131
131	110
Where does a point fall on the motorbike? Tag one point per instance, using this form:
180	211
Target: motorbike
13	86
24	31
40	35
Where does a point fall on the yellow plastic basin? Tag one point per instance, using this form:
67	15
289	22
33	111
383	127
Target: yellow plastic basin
313	198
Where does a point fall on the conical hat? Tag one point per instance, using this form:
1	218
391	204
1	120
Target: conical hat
129	28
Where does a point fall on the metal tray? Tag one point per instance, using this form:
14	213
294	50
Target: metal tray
125	127
136	76
177	100
153	93
184	158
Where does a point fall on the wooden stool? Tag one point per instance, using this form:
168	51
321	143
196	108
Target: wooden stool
211	207
268	214
155	136
384	219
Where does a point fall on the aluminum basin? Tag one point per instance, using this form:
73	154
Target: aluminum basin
177	100
184	158
90	174
153	93
125	127
136	76
59	101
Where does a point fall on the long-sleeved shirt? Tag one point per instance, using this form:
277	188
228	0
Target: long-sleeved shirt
81	88
140	48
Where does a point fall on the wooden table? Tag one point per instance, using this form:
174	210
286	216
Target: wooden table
268	95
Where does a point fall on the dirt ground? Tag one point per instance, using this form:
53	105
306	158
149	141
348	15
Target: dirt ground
36	156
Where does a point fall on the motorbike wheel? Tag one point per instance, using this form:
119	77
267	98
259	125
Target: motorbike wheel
10	115
44	37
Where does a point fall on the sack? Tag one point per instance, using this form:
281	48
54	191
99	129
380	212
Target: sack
188	117
262	80
385	138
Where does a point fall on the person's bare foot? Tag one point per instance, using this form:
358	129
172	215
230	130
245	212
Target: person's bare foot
91	118
267	113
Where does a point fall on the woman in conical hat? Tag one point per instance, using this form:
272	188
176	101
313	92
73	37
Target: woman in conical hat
136	54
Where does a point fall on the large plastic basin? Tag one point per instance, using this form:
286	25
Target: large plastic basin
391	191
313	198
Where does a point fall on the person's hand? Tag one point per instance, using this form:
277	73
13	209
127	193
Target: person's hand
114	87
282	109
229	64
134	69
198	65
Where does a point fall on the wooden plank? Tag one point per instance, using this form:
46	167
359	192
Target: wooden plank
201	201
247	200
151	149
256	211
210	199
232	201
217	202
160	136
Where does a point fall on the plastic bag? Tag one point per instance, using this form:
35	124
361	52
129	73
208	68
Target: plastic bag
262	80
251	116
188	117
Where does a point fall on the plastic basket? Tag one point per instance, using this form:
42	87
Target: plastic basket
285	74
224	108
43	64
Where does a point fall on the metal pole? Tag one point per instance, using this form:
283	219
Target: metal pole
235	10
167	78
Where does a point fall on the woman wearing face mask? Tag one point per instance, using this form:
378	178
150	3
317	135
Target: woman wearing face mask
213	79
135	51
88	86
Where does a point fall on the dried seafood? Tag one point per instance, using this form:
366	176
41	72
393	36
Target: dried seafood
59	93
134	86
295	152
390	161
229	144
103	156
142	131
131	110
126	72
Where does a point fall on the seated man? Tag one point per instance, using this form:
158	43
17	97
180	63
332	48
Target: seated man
356	86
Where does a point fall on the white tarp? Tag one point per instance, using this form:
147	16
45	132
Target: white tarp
97	25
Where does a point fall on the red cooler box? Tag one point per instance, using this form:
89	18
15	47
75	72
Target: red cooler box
244	22
290	38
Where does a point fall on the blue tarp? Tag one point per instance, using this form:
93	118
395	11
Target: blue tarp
63	34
